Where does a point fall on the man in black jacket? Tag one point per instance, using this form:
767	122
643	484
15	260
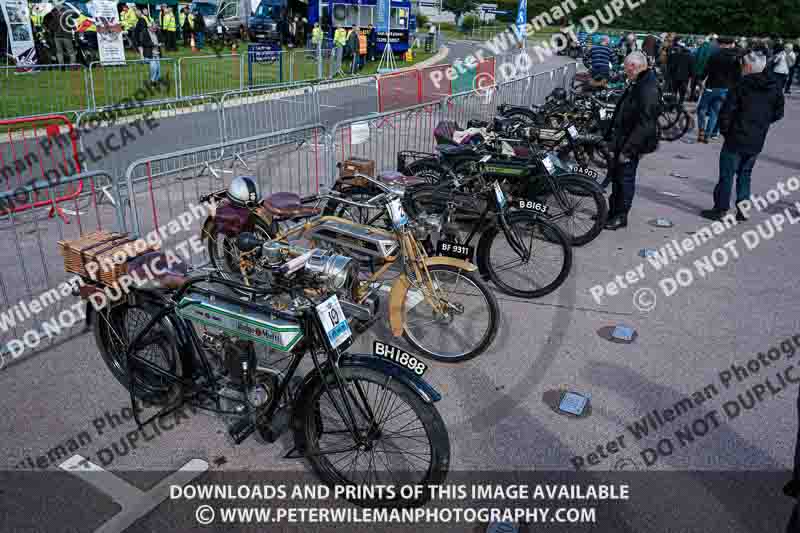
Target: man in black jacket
722	73
633	133
755	103
680	65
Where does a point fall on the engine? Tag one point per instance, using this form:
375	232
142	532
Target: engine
361	242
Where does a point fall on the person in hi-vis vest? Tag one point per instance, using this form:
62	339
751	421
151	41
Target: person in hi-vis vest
169	27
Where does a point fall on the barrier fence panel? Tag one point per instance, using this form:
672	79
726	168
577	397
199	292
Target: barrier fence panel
213	74
262	69
112	138
43	89
398	90
166	187
341	99
434	83
111	84
380	137
39	148
253	112
34	302
304	64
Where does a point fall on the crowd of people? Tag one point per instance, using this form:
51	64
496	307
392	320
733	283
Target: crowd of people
740	85
354	46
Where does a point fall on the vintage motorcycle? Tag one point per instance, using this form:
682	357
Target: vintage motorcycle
358	419
439	304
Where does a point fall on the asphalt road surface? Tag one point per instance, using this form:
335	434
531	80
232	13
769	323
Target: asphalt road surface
495	406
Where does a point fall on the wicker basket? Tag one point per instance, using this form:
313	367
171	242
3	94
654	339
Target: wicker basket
100	247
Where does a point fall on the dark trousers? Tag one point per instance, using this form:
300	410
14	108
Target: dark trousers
171	38
623	187
730	164
679	86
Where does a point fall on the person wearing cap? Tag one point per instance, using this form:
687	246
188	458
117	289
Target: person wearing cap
751	107
169	27
722	74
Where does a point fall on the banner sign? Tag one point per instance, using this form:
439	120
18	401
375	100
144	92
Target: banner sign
109	32
522	17
383	16
20	33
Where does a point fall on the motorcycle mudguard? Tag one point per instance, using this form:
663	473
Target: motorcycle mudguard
229	220
421	387
397	296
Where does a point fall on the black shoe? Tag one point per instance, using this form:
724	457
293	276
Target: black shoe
713	214
792	489
617	222
741	217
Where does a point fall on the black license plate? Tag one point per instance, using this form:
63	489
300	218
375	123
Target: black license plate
453	249
588	172
396	355
532	205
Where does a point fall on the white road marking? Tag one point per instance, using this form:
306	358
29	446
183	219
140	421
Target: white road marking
135	503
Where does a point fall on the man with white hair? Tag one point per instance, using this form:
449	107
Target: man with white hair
749	110
633	132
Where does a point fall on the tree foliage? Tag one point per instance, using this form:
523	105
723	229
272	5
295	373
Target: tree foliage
725	17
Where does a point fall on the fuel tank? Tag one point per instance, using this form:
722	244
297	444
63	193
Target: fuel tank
239	321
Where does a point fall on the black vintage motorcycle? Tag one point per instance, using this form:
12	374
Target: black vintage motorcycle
358	419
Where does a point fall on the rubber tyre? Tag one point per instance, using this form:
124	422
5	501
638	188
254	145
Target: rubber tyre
309	423
554	234
113	354
585	188
218	263
494	319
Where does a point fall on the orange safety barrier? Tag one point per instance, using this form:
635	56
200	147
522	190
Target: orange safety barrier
39	148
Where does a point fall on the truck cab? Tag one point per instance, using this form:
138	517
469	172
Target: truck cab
263	23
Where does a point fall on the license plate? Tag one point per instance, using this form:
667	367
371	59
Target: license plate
453	249
396	355
219	30
530	205
588	172
333	321
500	195
397	213
573	132
603	114
548	165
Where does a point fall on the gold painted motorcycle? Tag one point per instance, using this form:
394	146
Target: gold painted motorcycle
439	304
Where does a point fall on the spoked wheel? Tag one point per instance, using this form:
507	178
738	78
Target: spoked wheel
678	129
224	254
578	208
532	260
115	329
403	440
465	323
430	171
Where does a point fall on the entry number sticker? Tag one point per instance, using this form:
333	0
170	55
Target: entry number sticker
396	355
333	321
500	195
397	213
573	132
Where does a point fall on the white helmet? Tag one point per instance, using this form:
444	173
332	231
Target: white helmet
243	191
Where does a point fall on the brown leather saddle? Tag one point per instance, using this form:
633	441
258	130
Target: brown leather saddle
287	205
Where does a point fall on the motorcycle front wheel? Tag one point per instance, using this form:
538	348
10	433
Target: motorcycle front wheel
466	328
404	439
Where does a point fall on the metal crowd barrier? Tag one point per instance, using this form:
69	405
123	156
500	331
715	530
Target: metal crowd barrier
110	84
32	268
44	89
